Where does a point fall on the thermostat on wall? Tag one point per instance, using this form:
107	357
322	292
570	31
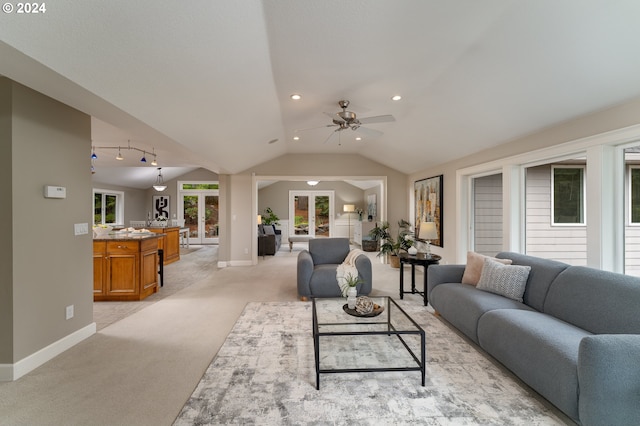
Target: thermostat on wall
55	191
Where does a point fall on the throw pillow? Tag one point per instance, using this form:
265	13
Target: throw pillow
473	269
506	280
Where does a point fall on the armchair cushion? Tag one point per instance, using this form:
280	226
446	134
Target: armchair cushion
317	268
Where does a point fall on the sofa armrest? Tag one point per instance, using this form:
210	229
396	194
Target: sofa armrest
363	264
305	270
440	274
609	379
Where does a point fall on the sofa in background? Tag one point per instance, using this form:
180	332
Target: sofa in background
317	268
574	337
272	239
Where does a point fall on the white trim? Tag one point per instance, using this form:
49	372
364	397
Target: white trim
10	372
119	204
571	149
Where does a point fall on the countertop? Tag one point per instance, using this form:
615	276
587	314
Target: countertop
126	236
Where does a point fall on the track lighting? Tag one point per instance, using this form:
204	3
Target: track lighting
119	157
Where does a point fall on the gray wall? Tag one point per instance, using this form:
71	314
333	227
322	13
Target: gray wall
52	268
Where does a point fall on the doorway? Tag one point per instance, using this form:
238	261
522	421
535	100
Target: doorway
313	213
199	210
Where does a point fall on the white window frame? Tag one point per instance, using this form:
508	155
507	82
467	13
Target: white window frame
630	169
583	190
119	205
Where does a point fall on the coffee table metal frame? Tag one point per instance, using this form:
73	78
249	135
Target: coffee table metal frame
390	331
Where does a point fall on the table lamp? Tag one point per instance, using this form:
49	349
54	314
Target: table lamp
427	233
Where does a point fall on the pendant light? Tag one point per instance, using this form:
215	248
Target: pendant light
159	185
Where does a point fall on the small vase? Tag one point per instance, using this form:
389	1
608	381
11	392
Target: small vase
412	251
352	295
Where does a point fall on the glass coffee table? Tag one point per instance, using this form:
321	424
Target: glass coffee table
344	343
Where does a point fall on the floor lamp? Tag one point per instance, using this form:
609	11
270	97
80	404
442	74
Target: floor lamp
349	208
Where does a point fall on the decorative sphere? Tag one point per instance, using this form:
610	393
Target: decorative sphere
364	305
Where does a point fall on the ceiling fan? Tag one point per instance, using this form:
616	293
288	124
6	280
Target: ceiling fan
344	120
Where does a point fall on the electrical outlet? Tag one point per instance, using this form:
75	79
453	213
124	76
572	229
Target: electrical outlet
69	312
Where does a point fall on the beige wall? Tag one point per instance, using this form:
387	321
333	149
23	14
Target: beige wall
244	202
50	143
6	217
617	117
139	202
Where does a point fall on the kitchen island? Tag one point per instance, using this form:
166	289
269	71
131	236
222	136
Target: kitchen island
169	242
125	266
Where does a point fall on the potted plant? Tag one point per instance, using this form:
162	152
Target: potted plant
348	285
269	217
390	245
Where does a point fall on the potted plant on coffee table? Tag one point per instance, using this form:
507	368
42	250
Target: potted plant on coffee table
392	246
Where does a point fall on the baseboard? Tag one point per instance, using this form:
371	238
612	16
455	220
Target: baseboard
10	372
222	264
240	263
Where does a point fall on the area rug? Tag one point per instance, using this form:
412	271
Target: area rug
264	374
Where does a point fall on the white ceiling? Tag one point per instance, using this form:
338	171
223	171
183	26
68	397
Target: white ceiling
207	83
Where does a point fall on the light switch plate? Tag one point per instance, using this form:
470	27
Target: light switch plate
80	228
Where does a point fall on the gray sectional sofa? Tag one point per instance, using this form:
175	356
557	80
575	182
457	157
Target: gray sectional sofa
575	338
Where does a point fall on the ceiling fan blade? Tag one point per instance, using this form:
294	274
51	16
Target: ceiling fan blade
334	116
369	133
377	119
314	128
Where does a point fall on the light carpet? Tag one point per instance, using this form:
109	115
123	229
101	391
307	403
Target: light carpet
265	374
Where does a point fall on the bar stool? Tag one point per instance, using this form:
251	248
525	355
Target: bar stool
161	266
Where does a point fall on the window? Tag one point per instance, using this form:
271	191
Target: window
108	207
634	196
568	195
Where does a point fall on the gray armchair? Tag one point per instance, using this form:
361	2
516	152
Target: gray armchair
317	268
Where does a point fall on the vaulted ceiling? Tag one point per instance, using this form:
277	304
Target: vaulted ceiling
208	83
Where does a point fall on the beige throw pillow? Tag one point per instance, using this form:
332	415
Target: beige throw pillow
473	269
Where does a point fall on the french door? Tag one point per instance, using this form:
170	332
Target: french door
200	214
311	213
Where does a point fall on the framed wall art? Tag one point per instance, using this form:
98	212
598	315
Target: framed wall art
161	206
428	200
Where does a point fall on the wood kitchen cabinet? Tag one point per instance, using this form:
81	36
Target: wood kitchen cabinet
170	243
125	268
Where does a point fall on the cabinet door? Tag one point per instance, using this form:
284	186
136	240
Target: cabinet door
99	274
149	271
123	274
172	245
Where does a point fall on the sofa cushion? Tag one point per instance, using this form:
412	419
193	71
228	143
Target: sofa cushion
538	348
542	274
473	268
268	230
598	301
506	280
462	305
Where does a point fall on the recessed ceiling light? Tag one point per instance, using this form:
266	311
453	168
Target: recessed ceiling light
396	98
296	97
358	138
296	138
